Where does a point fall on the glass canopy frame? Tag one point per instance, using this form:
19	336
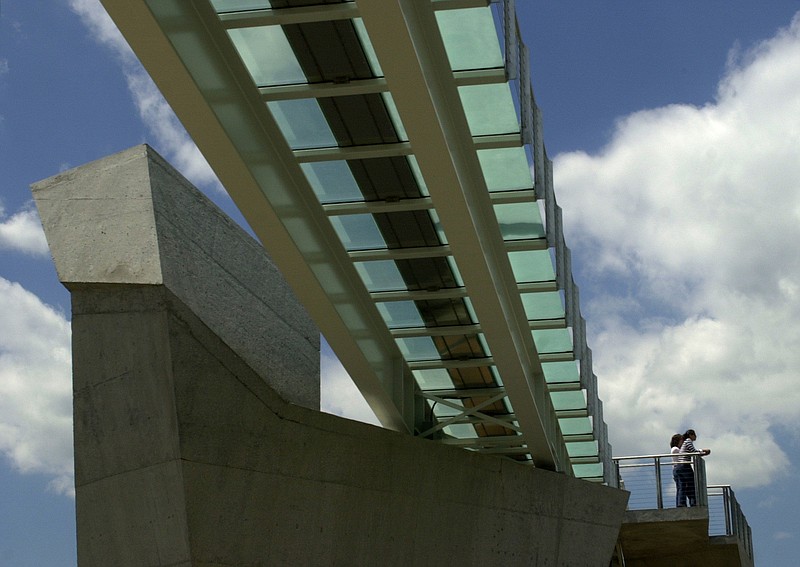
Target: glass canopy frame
407	195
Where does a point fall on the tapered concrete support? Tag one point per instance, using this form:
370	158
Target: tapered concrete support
194	440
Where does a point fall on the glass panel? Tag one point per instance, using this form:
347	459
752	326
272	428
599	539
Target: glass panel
552	340
543	305
380	275
391	108
505	169
470	38
437	225
588	470
456	273
560	372
470	309
575	426
366	44
519	221
532	266
267	55
434	379
239	5
489	109
423	189
442	410
461	431
418	348
400	314
582	449
358	232
302	123
568	400
332	181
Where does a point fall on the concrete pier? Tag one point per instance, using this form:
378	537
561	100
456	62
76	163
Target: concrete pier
198	439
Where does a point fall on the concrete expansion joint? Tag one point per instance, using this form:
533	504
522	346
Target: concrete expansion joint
122	473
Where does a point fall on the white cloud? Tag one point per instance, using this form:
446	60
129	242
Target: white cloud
339	395
777	536
35	387
170	137
23	232
693	216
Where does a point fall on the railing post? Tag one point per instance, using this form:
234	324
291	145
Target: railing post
659	491
700	487
728	511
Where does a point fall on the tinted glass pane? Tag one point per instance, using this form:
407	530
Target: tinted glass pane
358	232
381	275
267	55
568	400
543	305
239	5
560	372
553	340
332	182
532	266
418	348
302	123
434	379
505	169
400	314
489	109
575	426
470	38
582	449
519	221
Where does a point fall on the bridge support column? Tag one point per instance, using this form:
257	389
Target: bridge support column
198	439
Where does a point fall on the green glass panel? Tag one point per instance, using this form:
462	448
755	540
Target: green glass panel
437	225
366	44
332	182
588	470
267	55
552	340
302	123
505	169
519	221
543	305
575	425
461	431
423	188
239	5
456	273
433	379
358	232
489	109
471	310
575	400
470	38
391	108
400	314
561	372
582	449
380	275
532	266
442	410
418	348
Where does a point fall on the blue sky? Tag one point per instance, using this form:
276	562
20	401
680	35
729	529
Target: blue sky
674	131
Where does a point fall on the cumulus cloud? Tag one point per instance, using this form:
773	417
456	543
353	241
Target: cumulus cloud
685	224
35	387
23	232
155	112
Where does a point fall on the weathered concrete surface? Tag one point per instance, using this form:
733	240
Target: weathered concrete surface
677	537
187	453
132	219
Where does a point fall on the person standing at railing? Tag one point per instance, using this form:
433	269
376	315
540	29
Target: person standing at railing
679	471
688	447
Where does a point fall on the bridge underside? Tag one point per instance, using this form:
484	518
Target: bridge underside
196	441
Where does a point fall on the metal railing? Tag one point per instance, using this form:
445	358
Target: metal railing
649	480
725	516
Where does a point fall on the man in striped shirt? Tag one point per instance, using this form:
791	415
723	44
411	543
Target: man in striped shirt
688	447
